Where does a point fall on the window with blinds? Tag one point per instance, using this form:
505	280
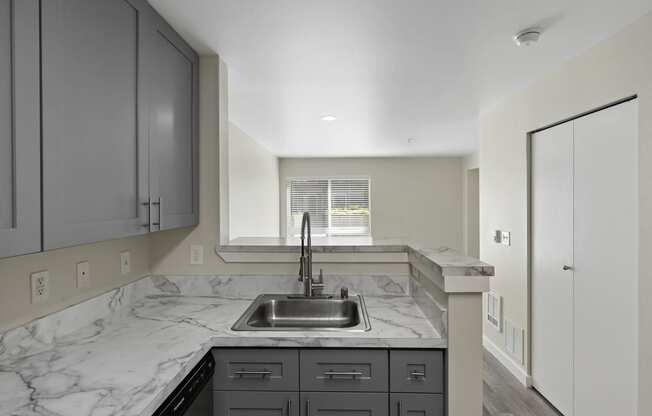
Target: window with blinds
337	206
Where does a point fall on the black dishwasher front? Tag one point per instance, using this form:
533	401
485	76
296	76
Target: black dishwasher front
194	396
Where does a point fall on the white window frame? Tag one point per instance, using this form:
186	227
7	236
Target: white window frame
288	204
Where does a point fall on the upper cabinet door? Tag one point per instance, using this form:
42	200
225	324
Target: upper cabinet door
94	121
173	128
20	170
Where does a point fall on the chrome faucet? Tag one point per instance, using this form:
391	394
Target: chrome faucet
311	288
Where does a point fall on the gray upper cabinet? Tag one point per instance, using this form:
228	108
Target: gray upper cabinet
95	177
20	170
173	128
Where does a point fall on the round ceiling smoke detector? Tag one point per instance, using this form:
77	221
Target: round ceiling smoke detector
527	37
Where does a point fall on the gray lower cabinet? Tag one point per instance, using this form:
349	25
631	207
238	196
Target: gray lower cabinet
94	130
344	370
256	369
410	404
173	128
329	382
343	404
20	155
235	403
416	371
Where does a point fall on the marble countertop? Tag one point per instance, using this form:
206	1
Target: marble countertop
444	261
124	352
319	245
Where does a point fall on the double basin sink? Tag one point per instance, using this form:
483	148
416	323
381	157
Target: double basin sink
299	313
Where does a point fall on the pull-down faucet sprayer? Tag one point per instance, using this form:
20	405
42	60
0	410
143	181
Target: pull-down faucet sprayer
310	287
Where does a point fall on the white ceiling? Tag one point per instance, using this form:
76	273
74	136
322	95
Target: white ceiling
388	69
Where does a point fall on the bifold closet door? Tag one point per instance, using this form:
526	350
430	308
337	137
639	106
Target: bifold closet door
552	249
606	261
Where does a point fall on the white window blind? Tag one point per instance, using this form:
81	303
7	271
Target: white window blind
337	206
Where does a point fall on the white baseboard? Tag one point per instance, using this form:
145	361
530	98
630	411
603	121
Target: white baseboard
517	371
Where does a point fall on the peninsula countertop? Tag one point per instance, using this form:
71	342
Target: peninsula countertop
141	340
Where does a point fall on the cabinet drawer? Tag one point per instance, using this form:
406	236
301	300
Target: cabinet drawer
407	404
243	403
256	369
343	404
417	371
344	370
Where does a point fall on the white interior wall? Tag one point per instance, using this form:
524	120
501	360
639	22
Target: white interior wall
470	190
616	68
253	187
419	199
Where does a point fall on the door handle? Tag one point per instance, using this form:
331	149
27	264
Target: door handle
307	407
399	407
289	407
566	268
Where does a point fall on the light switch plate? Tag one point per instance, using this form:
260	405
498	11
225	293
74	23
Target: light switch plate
502	237
40	282
196	254
83	274
125	262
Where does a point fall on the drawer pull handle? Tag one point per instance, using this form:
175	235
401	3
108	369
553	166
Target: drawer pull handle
418	374
178	405
263	374
353	374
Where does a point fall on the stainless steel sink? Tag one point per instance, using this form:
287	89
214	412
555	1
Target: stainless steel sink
298	313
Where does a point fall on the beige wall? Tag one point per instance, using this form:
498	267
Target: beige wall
104	259
415	198
253	187
614	69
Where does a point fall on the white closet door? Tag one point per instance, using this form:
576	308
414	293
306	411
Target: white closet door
552	287
606	261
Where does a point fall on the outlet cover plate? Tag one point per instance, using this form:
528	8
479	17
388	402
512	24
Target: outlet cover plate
83	275
125	262
196	254
40	283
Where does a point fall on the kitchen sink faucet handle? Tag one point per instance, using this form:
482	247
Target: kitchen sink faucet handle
344	293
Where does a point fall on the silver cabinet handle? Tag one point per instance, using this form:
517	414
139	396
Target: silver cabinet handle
399	407
418	374
307	407
263	373
158	204
289	407
178	405
353	374
148	204
565	268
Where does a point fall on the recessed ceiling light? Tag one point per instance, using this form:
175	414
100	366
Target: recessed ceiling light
328	117
411	140
527	37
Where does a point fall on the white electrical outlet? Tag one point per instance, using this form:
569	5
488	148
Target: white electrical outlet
196	254
40	282
83	274
125	262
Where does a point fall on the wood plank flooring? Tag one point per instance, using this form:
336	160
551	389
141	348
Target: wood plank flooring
505	396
